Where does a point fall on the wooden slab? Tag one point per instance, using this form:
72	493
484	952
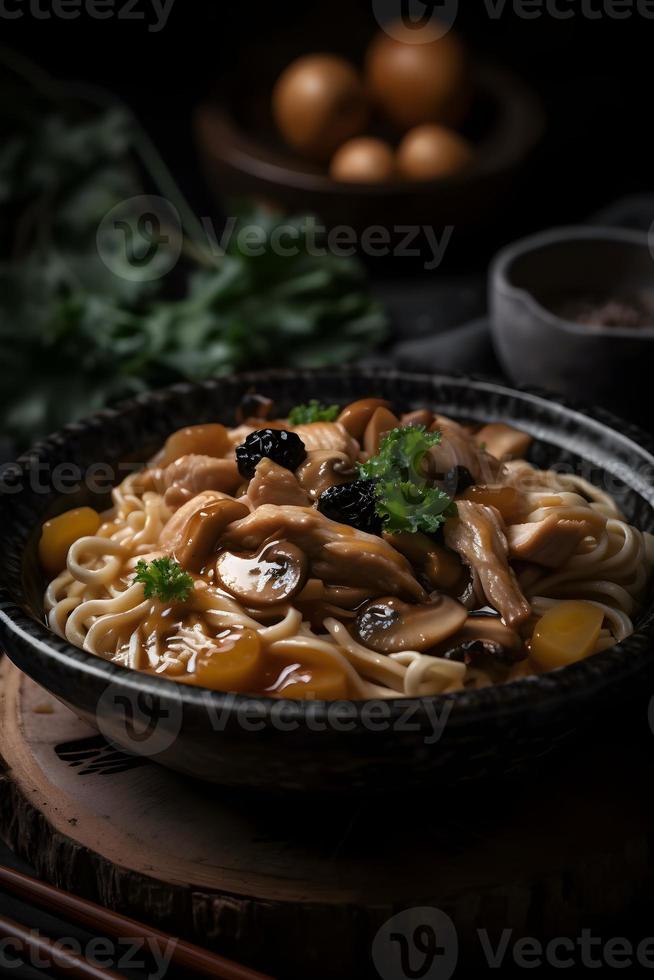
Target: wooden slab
301	889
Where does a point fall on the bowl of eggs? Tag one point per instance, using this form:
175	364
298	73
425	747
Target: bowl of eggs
413	131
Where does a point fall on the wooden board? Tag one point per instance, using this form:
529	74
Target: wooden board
301	888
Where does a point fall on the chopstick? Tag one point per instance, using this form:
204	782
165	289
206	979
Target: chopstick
108	923
62	962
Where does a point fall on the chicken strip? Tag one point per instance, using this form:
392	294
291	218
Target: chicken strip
477	535
273	484
327	435
189	475
339	555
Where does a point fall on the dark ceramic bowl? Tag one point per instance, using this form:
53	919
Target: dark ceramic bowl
287	745
242	156
533	286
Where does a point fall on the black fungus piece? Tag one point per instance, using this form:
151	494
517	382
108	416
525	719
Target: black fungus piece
353	504
284	448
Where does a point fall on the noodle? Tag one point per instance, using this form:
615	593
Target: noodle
524	544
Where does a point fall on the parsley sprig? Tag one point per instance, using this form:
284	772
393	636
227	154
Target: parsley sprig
164	579
404	499
313	411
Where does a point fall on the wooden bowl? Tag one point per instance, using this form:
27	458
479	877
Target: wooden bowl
242	156
323	747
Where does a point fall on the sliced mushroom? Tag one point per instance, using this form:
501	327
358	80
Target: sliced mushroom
381	422
503	441
343	596
355	417
324	468
485	636
192	533
421	416
442	568
254	408
389	625
275	575
510	503
458	448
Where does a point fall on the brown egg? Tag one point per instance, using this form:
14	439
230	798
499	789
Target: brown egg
319	102
413	83
363	159
428	152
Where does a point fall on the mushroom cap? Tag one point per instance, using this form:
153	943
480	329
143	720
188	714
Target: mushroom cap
276	574
389	625
356	415
194	530
484	636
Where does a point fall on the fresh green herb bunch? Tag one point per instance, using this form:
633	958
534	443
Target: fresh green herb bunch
313	411
87	333
164	579
404	499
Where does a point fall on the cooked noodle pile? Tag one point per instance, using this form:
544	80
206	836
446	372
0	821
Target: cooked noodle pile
530	569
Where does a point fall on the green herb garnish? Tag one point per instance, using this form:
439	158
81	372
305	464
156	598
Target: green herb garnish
164	579
314	411
404	499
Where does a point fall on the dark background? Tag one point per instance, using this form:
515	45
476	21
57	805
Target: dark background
594	77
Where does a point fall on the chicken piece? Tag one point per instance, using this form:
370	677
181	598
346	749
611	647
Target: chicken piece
503	441
477	535
458	448
195	529
339	555
189	475
549	542
273	484
327	435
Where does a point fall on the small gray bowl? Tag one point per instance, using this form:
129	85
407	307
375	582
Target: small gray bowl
536	342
